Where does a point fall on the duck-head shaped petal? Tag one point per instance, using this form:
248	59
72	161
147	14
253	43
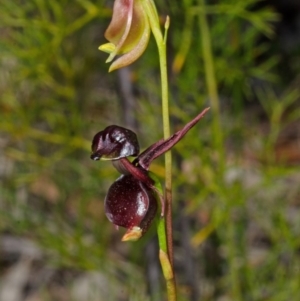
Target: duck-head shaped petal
113	143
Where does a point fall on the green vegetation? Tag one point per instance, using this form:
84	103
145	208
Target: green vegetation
235	175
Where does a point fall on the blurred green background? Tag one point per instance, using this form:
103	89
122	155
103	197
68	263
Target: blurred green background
236	174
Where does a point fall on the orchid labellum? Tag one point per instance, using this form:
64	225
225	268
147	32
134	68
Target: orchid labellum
128	33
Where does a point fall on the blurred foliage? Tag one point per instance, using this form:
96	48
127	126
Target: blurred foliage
55	94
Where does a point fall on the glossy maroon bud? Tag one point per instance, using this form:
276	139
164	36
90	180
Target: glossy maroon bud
131	204
114	142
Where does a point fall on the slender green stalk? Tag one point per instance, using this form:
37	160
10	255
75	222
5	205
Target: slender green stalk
165	262
164	227
163	249
211	84
161	44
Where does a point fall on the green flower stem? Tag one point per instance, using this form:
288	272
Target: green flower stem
163	256
160	41
150	9
164	260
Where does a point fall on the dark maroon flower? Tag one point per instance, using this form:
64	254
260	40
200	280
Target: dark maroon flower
131	201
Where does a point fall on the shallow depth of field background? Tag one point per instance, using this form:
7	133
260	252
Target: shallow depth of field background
236	208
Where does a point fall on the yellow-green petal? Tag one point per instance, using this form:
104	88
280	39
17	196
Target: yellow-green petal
108	48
